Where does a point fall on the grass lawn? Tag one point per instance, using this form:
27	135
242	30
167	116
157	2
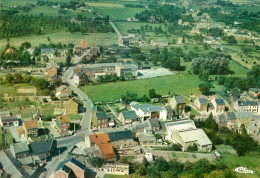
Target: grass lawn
238	69
249	161
181	84
75	117
65	38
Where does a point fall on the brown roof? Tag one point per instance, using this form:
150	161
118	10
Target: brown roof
30	124
72	100
99	139
20	130
107	150
64	119
77	70
83	44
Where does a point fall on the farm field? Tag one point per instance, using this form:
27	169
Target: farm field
181	84
65	38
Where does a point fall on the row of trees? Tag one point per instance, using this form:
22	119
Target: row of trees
22	25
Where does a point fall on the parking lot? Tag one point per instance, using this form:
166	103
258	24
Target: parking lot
154	72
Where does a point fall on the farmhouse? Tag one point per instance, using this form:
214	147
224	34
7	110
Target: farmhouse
178	103
201	104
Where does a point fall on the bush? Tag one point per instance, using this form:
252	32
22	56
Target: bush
192	148
96	162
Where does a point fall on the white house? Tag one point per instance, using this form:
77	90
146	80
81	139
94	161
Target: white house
9	121
148	111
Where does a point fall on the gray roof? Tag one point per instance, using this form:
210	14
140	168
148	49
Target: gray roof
129	115
180	100
42	146
5	113
20	147
231	116
195	135
72	160
203	100
154	123
96	108
247	103
149	138
221	118
219	101
47	50
121	135
147	107
243	114
9	118
101	115
168	108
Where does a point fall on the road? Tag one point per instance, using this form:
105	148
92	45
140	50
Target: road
119	36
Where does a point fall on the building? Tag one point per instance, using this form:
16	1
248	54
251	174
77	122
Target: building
154	124
71	168
49	52
9	121
55	80
148	111
79	77
246	105
219	105
52	68
178	104
72	106
185	133
30	129
124	69
170	112
100	120
159	42
80	48
122	139
254	128
103	142
201	104
63	123
115	169
5	113
20	150
147	138
223	119
128	117
63	92
43	149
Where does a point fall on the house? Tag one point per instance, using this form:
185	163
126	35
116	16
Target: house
128	117
115	169
80	78
71	168
20	150
100	120
170	112
223	119
63	123
178	104
185	133
43	149
219	105
30	129
147	138
9	121
254	128
159	42
49	52
63	92
201	104
72	106
122	139
246	105
148	111
55	80
52	68
103	142
154	124
80	48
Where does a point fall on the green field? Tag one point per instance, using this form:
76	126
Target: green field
65	38
248	161
118	13
182	84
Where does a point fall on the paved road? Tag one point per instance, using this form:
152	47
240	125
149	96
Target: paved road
119	36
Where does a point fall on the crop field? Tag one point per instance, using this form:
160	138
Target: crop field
64	38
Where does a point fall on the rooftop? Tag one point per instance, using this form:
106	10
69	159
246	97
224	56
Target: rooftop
30	124
101	115
129	115
203	100
195	135
121	135
219	101
8	118
98	139
20	147
47	50
42	146
147	107
247	103
107	150
154	123
180	100
243	115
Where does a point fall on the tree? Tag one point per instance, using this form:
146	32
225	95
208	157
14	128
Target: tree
96	161
176	147
68	60
192	148
161	164
235	92
210	123
153	94
205	88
